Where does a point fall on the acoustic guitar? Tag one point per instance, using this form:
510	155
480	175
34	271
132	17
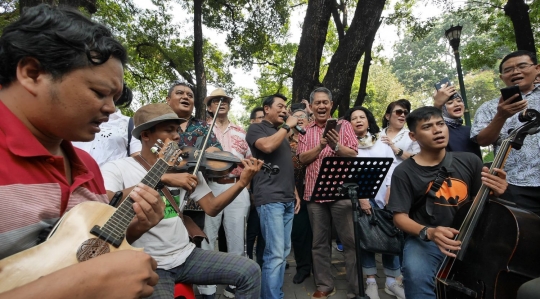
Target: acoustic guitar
88	230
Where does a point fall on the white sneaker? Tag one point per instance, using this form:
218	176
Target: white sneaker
395	289
372	290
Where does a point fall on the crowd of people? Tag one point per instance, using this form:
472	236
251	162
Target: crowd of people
65	141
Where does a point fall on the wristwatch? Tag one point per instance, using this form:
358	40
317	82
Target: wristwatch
399	153
423	234
336	148
286	127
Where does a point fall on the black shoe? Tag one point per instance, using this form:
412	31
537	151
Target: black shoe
299	277
213	296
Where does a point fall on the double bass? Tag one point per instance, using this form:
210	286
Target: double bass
500	243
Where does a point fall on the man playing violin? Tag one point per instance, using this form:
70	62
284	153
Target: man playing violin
181	99
426	220
233	140
178	260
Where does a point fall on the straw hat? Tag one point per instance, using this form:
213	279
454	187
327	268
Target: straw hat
218	93
152	114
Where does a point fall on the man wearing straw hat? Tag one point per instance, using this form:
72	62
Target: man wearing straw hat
168	242
233	140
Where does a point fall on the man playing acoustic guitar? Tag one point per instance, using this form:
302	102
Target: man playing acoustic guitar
60	74
168	242
427	221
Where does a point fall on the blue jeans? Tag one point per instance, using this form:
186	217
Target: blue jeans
421	260
390	262
276	227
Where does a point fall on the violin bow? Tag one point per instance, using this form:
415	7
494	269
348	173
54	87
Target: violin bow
200	154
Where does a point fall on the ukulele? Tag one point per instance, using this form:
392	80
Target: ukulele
88	230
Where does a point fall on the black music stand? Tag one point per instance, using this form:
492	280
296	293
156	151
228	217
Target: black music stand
351	178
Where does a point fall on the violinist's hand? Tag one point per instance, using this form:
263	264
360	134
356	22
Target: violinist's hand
185	181
251	167
443	237
496	182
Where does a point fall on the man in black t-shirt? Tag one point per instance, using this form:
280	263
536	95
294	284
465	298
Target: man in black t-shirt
274	196
426	220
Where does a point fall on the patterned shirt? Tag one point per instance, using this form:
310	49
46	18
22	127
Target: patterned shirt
311	139
196	128
233	140
522	166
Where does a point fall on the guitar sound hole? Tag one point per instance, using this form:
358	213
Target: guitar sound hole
92	248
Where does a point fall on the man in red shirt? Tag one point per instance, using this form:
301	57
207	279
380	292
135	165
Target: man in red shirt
312	148
60	75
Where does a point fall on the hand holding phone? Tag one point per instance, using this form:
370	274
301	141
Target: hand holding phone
330	125
509	91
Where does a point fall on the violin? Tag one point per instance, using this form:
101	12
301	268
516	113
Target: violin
499	242
214	163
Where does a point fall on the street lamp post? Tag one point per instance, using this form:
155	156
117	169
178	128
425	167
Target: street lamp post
453	34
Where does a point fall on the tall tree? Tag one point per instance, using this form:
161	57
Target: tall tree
366	66
518	12
200	74
341	71
307	64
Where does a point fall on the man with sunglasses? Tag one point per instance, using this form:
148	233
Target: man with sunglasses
495	118
233	139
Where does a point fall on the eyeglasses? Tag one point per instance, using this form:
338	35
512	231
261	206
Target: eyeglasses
223	101
400	112
520	67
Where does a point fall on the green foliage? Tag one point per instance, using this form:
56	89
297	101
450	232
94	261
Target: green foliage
9	12
250	26
481	86
157	54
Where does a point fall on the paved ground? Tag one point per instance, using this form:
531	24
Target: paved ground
306	289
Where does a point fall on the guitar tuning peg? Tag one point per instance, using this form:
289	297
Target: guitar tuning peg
179	159
160	142
155	149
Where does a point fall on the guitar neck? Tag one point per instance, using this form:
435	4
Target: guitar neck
120	220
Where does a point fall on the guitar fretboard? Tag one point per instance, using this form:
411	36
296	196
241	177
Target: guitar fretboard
117	225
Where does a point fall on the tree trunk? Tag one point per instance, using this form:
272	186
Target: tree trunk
89	5
200	75
308	56
343	65
360	98
518	11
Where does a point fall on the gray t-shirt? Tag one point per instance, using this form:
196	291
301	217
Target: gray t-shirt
274	188
168	241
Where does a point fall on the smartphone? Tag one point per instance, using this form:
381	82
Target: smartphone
445	81
507	92
331	124
296	106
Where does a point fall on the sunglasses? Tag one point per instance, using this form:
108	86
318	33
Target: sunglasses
400	112
224	101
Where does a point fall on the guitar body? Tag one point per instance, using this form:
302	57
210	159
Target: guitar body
61	249
502	255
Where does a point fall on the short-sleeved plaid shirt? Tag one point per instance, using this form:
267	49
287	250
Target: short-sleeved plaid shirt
311	139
